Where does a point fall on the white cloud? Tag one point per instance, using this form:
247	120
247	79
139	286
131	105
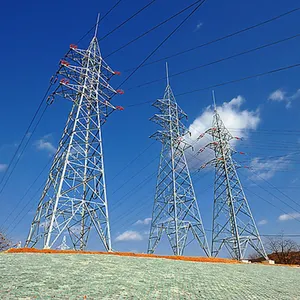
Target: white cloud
45	144
296	95
146	221
198	26
3	167
278	95
281	96
262	222
291	216
266	168
129	235
237	121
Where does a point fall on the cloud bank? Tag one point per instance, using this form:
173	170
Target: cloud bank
266	168
281	96
262	222
146	221
287	217
45	144
129	235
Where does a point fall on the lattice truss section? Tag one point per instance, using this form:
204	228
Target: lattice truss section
175	210
233	223
74	198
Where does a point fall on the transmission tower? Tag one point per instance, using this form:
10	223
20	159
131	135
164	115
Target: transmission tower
233	223
63	245
175	209
74	198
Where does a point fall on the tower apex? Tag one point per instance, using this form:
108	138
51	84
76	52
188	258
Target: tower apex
97	25
214	100
167	74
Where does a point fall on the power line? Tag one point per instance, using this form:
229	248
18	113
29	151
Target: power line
133	160
271	193
274	187
20	201
220	60
272	130
34	117
271	204
273	234
282	234
110	10
137	173
244	78
147	180
52	157
152	51
165	39
33	204
131	191
140	154
228	82
101	19
153	28
23	139
25	194
127	20
276	198
126	196
224	37
142	206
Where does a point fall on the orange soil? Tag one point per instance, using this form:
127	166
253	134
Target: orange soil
185	258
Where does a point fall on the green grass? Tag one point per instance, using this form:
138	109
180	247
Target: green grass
64	276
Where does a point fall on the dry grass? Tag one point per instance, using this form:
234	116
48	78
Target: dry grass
184	258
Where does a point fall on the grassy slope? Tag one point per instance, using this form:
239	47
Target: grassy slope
63	276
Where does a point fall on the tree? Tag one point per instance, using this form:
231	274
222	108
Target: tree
284	251
5	243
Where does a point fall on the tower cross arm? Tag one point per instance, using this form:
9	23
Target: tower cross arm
161	135
162	120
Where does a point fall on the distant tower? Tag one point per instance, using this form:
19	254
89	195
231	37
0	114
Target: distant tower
63	245
175	209
74	198
233	223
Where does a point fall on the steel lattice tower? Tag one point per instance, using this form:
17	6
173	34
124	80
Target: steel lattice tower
233	224
74	198
175	209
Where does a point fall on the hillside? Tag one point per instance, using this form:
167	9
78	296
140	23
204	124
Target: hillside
74	276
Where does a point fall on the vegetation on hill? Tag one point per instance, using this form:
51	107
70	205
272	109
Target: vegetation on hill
282	251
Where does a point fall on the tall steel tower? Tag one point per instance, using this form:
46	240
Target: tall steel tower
175	209
74	198
233	223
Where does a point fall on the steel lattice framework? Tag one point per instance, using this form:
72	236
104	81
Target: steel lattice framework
74	198
233	224
175	210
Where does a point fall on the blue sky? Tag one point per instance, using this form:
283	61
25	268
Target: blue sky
36	34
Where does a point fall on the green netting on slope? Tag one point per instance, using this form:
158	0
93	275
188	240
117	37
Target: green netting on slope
62	276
